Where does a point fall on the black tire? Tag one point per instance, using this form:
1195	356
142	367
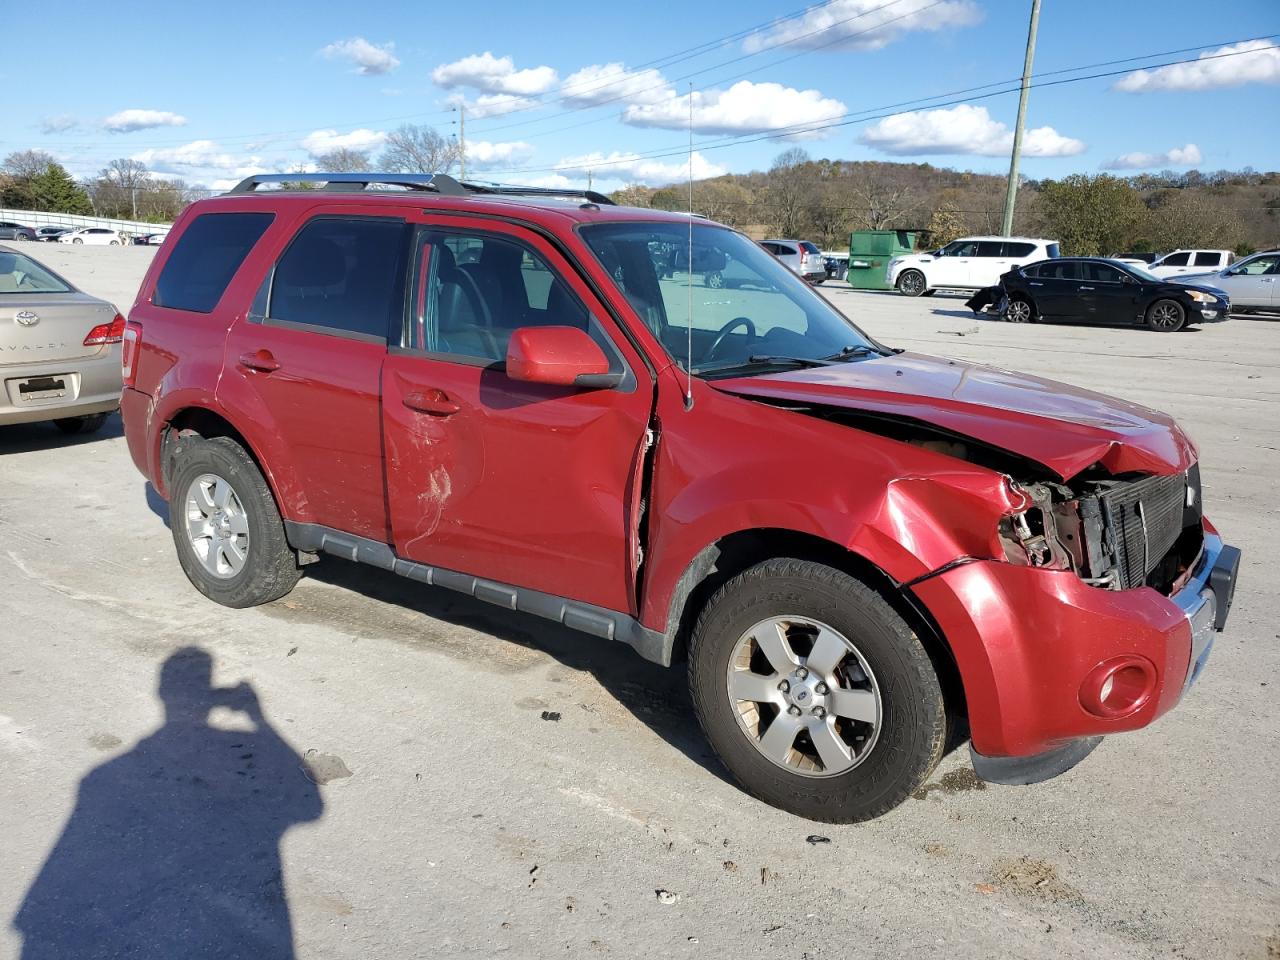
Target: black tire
1017	304
270	567
87	424
913	720
714	279
911	283
1166	316
77	240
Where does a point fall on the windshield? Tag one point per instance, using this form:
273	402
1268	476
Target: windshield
748	310
19	274
1140	273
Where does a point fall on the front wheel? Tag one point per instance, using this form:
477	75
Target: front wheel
1166	316
226	526
77	240
815	693
1020	310
115	243
911	283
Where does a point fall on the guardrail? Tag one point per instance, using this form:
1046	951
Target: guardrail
38	218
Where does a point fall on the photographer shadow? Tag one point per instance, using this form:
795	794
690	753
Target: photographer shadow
173	849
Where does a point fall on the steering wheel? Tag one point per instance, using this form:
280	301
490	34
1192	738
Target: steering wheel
728	328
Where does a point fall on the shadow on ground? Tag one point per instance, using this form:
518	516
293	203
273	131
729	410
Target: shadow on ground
173	848
29	437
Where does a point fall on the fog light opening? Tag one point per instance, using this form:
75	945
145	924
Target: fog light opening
1118	688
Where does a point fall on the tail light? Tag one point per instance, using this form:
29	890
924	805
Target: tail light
105	333
129	354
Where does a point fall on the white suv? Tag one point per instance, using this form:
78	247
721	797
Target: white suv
966	264
1190	261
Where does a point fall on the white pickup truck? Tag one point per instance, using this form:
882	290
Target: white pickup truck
1189	261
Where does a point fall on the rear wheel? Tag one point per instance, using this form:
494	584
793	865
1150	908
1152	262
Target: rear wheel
77	240
87	424
911	283
226	527
814	693
1166	316
115	243
1020	310
715	279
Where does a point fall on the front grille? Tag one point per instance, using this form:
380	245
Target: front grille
1144	519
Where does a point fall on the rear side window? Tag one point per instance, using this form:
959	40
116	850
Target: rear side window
205	258
1019	249
1207	259
1062	270
1053	250
345	275
809	247
989	248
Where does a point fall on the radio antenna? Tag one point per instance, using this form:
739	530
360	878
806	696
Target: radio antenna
688	368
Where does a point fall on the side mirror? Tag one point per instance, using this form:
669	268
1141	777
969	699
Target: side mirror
562	356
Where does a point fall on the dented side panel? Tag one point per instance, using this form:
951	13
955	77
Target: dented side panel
734	464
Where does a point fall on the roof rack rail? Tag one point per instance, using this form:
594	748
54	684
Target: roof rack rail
502	189
433	182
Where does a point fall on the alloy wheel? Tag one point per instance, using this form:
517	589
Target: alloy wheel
1166	316
217	526
911	283
804	696
1019	311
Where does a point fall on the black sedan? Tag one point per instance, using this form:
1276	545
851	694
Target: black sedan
1095	290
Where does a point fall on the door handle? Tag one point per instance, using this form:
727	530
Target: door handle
1035	284
260	360
434	402
1084	288
1268	280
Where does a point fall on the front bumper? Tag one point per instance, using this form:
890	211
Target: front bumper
1027	640
1210	312
89	385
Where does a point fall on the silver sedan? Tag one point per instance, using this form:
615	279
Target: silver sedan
1252	283
59	349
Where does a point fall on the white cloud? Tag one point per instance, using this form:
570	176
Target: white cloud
482	154
964	129
322	141
492	104
617	165
490	74
60	123
605	83
127	121
745	107
1187	156
1254	61
863	24
198	155
370	59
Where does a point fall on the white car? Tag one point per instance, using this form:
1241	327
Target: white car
969	263
1253	284
100	236
1190	261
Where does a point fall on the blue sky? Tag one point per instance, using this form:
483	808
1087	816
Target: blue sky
243	87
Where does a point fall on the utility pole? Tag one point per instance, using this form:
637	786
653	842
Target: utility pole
590	181
1011	191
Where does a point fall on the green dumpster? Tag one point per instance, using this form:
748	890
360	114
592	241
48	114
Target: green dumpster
870	252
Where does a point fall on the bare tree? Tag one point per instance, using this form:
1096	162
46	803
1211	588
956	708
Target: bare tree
24	164
790	190
416	148
343	160
884	203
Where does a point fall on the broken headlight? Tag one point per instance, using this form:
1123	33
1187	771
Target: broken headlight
1030	534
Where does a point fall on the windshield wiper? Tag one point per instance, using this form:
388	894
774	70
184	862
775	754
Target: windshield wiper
771	360
848	353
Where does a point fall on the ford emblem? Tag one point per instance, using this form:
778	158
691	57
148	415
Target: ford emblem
26	318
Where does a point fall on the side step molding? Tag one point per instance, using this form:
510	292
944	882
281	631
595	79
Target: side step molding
586	617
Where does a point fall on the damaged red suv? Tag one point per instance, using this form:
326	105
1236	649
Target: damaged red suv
862	554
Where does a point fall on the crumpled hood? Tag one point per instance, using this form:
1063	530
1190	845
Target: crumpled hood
1062	427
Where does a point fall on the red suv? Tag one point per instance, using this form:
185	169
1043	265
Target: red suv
863	554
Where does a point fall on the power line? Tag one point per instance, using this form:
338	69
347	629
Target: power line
816	126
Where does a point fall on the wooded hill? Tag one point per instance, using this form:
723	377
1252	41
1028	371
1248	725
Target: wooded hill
825	200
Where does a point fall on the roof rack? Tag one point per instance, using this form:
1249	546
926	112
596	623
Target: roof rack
346	182
502	189
433	182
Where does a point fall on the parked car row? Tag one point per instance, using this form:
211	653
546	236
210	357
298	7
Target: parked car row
101	236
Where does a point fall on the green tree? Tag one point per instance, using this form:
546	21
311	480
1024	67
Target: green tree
1091	215
945	225
54	191
1180	218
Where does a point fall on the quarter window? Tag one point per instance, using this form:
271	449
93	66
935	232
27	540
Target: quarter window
342	275
205	258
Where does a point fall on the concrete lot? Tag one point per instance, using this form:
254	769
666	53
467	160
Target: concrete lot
470	824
